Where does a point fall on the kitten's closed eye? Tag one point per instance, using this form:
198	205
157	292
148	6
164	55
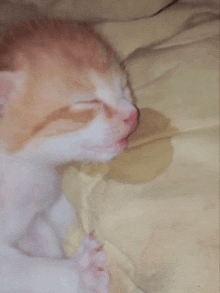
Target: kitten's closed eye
95	101
86	104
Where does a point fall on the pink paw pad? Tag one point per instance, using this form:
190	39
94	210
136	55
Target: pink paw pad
92	262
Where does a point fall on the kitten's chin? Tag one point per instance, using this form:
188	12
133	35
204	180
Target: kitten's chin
104	154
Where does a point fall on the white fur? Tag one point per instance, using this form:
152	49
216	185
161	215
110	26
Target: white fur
33	213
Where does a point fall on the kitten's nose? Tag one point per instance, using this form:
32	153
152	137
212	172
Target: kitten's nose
132	120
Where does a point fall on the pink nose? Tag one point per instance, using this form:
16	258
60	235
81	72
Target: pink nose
131	121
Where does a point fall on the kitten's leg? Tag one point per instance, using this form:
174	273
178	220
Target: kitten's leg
45	235
61	215
85	273
20	273
41	239
23	274
90	258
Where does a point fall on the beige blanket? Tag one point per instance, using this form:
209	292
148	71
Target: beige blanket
155	206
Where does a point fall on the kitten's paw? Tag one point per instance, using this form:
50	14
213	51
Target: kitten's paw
92	262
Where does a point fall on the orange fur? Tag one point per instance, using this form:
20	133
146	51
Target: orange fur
56	56
38	106
109	112
74	43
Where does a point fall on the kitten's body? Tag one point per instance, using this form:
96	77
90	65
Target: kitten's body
65	98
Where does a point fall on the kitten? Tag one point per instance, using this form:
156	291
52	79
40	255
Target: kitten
63	97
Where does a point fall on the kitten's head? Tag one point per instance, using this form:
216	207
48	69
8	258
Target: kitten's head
64	97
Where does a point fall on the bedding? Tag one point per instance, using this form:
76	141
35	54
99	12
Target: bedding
156	206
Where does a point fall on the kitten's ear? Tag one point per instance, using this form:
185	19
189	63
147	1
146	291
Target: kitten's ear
11	84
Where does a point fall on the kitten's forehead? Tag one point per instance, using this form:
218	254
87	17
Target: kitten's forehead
58	76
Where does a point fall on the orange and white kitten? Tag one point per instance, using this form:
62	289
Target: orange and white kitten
63	97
